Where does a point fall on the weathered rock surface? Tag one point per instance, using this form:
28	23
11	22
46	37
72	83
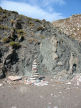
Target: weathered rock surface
56	53
70	26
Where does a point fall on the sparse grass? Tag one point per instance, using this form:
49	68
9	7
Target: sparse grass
29	18
19	18
4	16
19	23
4	11
40	28
5	33
33	40
5	39
20	34
20	31
12	21
14	12
1	19
3	27
31	24
14	44
37	20
1	10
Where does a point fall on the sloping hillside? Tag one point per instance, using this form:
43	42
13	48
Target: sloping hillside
23	39
70	26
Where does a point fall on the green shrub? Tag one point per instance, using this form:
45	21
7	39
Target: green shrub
20	32
15	44
37	20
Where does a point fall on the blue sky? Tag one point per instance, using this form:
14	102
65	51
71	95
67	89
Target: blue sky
44	9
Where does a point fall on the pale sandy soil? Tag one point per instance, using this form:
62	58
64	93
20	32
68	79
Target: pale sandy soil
54	95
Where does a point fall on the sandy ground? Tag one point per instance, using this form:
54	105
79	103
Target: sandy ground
54	95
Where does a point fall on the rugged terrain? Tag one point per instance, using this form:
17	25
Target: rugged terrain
23	39
70	26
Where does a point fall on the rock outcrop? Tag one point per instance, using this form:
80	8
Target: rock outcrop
24	39
70	26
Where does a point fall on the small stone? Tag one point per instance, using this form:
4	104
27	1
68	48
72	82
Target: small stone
41	97
60	63
77	83
51	80
13	107
60	92
15	78
49	103
1	84
68	83
51	94
55	106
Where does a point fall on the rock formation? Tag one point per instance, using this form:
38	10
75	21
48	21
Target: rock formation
56	53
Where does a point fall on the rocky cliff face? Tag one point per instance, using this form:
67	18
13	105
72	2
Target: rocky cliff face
70	26
23	39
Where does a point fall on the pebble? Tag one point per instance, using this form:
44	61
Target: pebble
15	78
1	84
77	83
55	106
49	103
41	97
68	83
68	88
60	92
51	80
51	94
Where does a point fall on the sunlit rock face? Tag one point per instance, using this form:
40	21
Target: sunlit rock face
61	56
23	40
